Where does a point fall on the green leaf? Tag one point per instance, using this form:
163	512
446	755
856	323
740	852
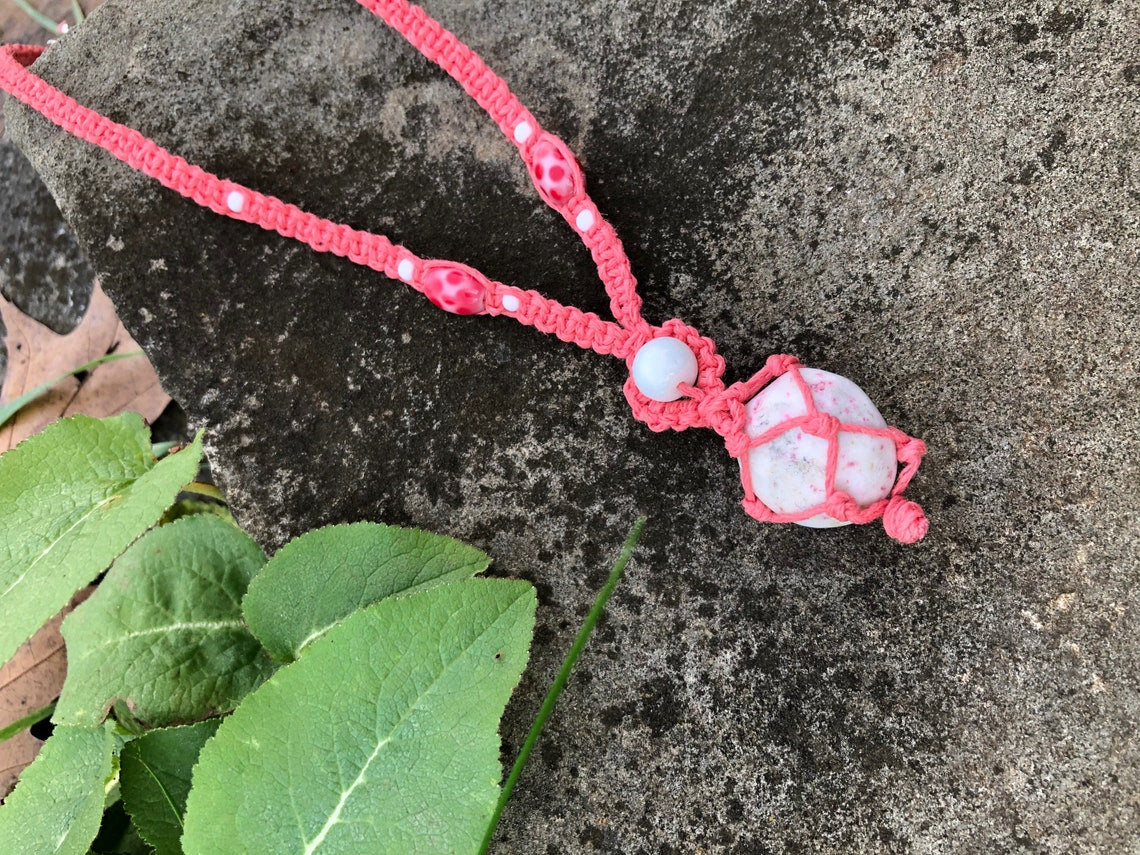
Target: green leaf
22	724
381	738
71	499
156	779
164	631
190	506
320	578
57	806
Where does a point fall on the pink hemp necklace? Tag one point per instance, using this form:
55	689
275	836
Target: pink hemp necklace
812	447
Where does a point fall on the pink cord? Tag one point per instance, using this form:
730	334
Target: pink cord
460	289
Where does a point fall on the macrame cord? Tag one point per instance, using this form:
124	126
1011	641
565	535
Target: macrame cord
460	289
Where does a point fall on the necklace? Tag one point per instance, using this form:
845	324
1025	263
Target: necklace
812	448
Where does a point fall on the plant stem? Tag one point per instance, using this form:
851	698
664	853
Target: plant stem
27	721
201	488
161	449
16	404
563	675
77	11
38	16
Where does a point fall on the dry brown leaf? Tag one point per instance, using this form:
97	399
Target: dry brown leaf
16	755
29	681
16	26
36	354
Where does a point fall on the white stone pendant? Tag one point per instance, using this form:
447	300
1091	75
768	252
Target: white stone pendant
789	472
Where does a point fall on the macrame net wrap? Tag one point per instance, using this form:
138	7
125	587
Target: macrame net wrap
457	288
711	404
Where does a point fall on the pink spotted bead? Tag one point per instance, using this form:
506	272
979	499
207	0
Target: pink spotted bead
554	171
454	287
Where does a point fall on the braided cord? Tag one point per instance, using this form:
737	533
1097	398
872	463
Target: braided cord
491	93
193	182
232	199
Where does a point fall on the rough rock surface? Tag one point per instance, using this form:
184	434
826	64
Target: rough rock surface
938	199
42	268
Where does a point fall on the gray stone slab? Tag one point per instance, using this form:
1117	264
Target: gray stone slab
939	200
42	268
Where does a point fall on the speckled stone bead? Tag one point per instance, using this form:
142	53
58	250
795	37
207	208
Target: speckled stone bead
455	288
556	174
788	473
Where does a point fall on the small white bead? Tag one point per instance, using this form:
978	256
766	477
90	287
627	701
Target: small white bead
511	302
523	131
405	269
660	365
235	201
585	220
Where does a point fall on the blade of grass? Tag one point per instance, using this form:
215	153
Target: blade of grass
16	404
27	721
38	16
563	675
77	11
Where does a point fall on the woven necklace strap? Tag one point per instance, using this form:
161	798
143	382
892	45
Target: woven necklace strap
450	285
675	373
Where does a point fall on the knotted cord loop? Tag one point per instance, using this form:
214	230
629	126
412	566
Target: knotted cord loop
686	412
910	452
841	506
724	412
823	425
904	520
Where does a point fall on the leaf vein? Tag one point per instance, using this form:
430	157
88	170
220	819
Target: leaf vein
162	789
173	627
334	817
56	543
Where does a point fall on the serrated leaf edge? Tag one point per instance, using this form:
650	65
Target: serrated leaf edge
526	593
165	795
47	550
36	439
528	600
420	585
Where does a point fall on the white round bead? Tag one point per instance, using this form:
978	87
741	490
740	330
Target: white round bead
511	302
235	201
788	473
660	365
523	131
585	220
405	269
